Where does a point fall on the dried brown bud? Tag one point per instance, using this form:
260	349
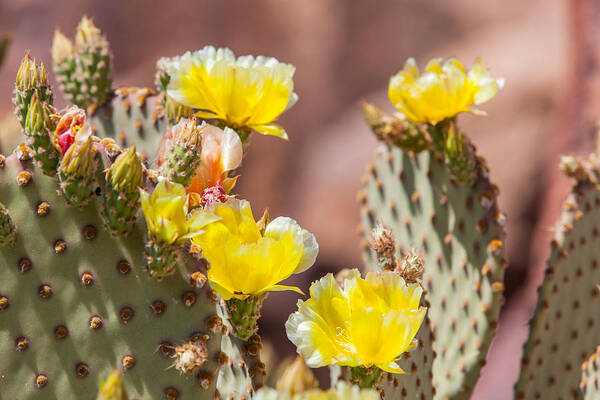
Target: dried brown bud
411	266
382	243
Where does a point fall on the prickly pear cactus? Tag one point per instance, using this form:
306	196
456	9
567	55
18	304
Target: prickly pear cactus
590	376
454	220
75	302
565	326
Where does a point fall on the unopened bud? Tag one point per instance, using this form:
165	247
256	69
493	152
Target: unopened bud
31	75
62	47
112	387
68	125
382	242
8	231
38	117
297	378
80	158
126	173
88	36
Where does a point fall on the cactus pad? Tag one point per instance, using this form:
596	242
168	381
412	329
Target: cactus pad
75	302
459	230
565	327
132	116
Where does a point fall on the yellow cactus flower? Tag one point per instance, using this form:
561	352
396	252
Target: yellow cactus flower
441	91
370	322
166	212
244	260
247	92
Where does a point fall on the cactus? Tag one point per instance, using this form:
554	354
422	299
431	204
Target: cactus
96	300
447	207
76	302
83	68
564	328
589	381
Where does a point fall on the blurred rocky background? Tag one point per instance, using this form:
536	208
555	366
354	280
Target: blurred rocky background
345	51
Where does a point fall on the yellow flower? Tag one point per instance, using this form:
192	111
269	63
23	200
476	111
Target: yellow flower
370	322
244	92
166	212
246	261
442	91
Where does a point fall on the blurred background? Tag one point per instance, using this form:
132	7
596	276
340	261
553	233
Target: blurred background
345	51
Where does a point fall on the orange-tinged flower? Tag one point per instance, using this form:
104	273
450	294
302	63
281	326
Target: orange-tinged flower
221	153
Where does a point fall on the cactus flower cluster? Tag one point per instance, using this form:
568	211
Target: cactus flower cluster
417	324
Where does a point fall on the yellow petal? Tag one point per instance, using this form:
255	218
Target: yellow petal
271	129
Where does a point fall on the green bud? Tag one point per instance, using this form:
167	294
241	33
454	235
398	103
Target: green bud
62	47
112	387
80	158
77	169
454	142
8	231
125	174
88	36
297	378
31	75
38	117
182	152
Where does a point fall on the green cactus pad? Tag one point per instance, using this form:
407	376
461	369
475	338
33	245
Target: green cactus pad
132	116
565	328
459	230
590	385
75	303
